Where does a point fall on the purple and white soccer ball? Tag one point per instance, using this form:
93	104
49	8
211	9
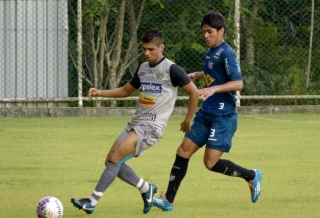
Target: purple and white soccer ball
49	207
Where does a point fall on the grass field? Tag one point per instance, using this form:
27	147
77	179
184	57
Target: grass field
64	157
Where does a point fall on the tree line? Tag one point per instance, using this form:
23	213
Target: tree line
279	42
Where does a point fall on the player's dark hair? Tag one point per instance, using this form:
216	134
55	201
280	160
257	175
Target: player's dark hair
153	35
215	20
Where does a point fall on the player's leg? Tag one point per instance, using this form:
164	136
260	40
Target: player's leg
192	141
180	167
177	174
146	189
147	137
213	162
121	150
128	175
220	140
227	167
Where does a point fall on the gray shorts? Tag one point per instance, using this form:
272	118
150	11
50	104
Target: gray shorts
148	135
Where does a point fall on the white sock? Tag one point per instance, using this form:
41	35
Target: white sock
143	186
93	201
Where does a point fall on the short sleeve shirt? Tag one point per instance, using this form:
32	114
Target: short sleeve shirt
220	66
158	91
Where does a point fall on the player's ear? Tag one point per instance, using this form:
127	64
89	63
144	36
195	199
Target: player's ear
161	47
222	31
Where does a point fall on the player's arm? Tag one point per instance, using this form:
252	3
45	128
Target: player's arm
192	91
124	91
235	85
233	71
196	75
180	78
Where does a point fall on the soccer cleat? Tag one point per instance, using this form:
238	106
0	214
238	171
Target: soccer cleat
162	203
147	198
255	185
83	204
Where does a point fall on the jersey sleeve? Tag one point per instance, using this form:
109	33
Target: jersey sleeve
178	76
232	66
135	81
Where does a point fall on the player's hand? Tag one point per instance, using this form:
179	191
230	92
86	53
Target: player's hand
185	126
206	93
93	92
192	76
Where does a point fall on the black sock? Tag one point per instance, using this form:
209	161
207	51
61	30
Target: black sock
230	169
178	172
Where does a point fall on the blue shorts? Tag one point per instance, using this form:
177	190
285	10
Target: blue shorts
214	131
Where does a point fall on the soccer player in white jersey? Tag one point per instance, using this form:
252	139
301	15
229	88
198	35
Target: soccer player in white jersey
216	121
158	80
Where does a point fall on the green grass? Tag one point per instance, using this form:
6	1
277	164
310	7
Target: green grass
64	157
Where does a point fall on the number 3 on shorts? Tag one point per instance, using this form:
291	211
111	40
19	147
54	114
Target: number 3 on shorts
212	133
221	106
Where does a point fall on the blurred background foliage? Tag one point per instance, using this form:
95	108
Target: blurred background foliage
275	38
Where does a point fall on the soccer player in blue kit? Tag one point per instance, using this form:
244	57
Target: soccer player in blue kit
216	121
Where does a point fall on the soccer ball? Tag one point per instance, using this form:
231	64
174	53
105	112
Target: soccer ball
49	207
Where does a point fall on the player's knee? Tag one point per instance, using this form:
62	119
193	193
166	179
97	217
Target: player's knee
187	148
112	157
182	151
209	164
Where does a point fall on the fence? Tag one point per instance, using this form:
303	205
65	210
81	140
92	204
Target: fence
53	51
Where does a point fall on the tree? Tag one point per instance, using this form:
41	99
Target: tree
108	54
248	17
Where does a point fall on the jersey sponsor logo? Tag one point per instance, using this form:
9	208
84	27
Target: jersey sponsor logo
142	73
149	115
208	80
147	100
218	53
160	75
210	65
151	87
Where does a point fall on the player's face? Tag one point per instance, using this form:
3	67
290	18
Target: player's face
212	36
152	52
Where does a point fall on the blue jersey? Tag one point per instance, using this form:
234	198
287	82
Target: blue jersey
220	66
